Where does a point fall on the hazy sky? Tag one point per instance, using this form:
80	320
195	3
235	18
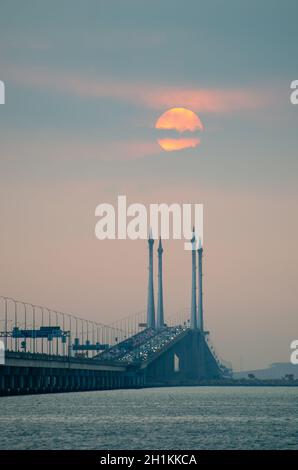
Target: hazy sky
85	84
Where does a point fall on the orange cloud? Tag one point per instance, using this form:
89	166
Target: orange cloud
68	147
178	144
149	95
180	119
207	100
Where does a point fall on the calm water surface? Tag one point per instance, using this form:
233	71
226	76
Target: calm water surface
161	418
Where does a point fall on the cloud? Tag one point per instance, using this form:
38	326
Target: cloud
178	144
152	96
68	148
208	100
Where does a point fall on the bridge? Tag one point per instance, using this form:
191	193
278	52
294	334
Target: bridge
46	351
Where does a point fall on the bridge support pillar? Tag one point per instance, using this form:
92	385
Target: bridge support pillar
2	383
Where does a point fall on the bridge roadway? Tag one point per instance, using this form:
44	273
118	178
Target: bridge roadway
172	356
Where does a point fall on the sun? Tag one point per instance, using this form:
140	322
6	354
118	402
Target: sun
180	120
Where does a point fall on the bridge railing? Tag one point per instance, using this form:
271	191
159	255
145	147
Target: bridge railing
129	325
225	366
37	329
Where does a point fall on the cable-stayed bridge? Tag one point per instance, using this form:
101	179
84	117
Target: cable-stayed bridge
51	351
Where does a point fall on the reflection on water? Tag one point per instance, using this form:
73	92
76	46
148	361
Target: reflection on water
161	418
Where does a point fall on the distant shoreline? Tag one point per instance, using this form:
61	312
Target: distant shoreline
231	383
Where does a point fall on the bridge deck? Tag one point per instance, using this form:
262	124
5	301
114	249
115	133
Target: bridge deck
142	347
22	359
